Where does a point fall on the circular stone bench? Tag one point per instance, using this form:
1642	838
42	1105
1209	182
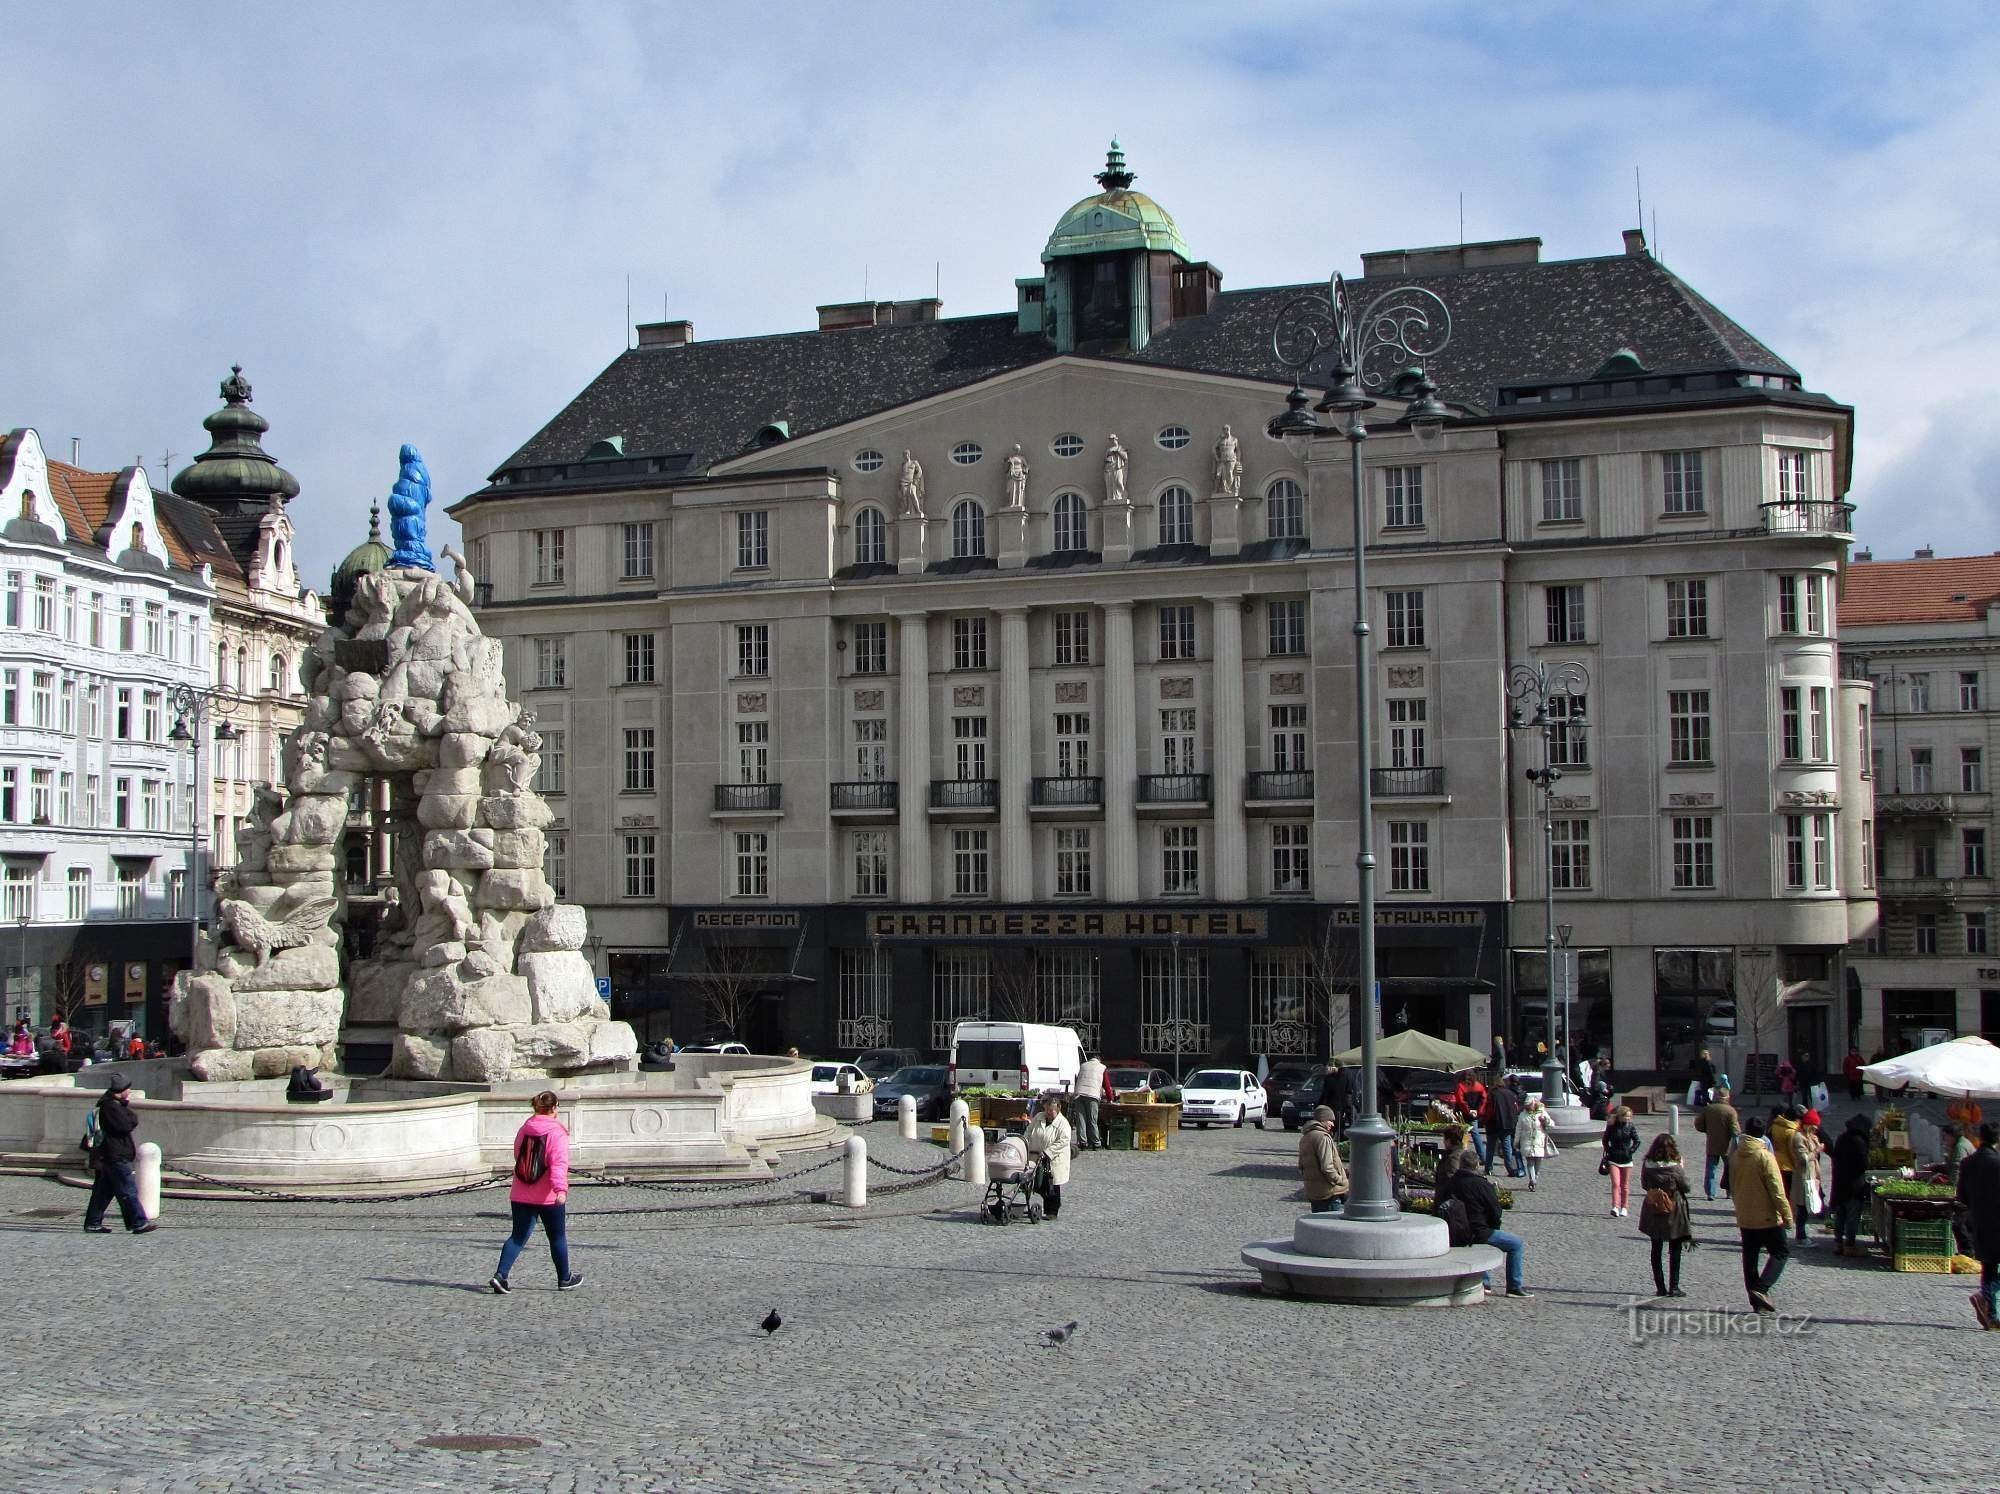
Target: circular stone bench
1400	1262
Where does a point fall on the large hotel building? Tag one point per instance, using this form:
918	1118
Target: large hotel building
913	668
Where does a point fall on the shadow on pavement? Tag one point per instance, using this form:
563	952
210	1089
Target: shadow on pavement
424	1281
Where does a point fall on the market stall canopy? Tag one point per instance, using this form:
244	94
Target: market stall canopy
1410	1049
1964	1067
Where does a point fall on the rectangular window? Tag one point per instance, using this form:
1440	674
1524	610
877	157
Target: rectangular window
1408	731
1562	490
1926	934
156	629
968	643
1680	473
127	637
1869	869
1920	770
1923	855
641	865
1285	626
549	777
639	668
1569	741
1180	859
1972	851
1178	746
1405	619
93	711
94	619
1920	692
1808	852
555	863
1794	476
1409	856
638	552
1562	608
122	723
121	803
969	863
42	699
1687	609
1291	858
638	759
753	540
968	746
154	705
93	797
1073	870
753	863
1819	739
69	614
753	650
1802	603
1975	934
45	604
871	863
1693	839
1402	497
1072	744
549	546
871	648
551	663
1689	737
78	888
1569	855
1791	726
1177	632
10	795
871	748
1288	739
66	799
1972	770
1072	637
17	584
41	795
1968	689
753	752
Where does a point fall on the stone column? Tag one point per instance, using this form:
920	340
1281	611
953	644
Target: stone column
913	760
1232	865
1017	714
1121	757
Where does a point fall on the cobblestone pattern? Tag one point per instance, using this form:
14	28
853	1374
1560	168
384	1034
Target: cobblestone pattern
909	1355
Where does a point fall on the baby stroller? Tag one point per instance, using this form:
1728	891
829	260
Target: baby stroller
1013	1183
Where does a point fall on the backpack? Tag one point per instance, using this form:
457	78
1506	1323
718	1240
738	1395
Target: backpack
1457	1222
531	1158
1660	1201
93	1131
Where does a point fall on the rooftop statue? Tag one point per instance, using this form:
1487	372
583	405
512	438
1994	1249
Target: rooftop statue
407	501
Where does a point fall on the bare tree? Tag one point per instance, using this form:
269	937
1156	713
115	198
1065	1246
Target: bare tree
1758	1012
1332	969
728	984
70	990
1011	987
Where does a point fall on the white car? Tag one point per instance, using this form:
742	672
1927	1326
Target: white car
1222	1096
827	1079
714	1048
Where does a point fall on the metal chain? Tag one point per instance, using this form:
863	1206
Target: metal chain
277	1196
609	1180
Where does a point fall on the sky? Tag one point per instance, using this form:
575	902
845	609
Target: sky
416	223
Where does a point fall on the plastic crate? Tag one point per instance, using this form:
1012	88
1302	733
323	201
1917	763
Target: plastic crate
1924	1237
1936	1265
1152	1141
1118	1135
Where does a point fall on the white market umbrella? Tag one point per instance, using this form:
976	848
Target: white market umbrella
1964	1068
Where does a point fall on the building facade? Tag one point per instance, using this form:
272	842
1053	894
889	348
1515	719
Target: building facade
912	669
1925	634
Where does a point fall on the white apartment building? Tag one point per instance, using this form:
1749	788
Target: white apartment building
913	668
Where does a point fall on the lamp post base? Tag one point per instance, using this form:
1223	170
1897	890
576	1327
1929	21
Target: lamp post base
1554	1091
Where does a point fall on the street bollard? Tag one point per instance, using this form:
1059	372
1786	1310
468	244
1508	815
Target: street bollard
147	1170
855	1192
954	1137
975	1160
906	1117
1673	1120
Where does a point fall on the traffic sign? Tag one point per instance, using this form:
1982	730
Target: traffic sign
604	987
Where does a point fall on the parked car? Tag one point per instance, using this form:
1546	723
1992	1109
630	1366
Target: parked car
929	1084
1283	1079
833	1078
715	1048
879	1063
1030	1057
1127	1078
1231	1096
1296	1108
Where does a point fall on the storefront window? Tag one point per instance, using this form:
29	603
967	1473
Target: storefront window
1589	1014
1694	1006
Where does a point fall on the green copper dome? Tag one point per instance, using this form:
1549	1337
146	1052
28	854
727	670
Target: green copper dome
1115	218
236	472
366	558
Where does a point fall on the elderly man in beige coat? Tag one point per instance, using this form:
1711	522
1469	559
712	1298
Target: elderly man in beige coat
1049	1138
1320	1167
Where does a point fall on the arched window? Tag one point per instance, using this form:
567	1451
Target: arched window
222	666
871	537
278	556
243	669
277	685
1285	510
968	529
1176	516
1072	528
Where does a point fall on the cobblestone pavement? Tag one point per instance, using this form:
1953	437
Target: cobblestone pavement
282	1346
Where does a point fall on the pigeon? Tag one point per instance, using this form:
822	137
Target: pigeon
1057	1337
772	1322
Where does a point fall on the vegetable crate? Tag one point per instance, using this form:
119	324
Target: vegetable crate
1152	1141
1118	1134
1924	1245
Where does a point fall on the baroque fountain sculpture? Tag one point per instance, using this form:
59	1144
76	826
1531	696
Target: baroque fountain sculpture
483	979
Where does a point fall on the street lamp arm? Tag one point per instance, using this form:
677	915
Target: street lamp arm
1402	325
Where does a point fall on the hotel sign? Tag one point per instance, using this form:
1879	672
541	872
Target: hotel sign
1220	925
748	918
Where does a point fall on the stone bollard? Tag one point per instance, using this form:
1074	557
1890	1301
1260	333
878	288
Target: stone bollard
954	1137
1673	1120
854	1192
906	1117
975	1160
147	1170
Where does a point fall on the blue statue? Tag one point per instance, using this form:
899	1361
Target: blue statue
407	501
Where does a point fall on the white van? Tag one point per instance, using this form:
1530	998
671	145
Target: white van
1014	1055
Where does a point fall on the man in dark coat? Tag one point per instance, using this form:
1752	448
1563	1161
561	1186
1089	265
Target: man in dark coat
1482	1213
1336	1093
1850	1175
111	1161
1979	1193
1503	1109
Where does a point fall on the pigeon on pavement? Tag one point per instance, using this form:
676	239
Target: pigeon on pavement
772	1322
1057	1337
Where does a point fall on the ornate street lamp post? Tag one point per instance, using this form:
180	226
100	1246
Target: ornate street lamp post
1360	351
1549	702
190	707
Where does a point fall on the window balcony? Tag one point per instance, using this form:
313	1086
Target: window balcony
1916	807
747	798
1285	786
1066	793
1919	889
1820	516
1407	783
965	795
1174	790
863	796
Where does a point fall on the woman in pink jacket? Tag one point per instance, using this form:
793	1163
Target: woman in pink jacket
540	1191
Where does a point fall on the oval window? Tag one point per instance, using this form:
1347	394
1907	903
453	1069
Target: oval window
966	453
1173	437
1068	444
869	460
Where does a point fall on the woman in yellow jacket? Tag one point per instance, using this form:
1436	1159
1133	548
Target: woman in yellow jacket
1763	1212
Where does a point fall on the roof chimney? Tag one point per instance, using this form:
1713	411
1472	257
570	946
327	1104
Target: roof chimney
1635	241
665	334
1862	557
1927	553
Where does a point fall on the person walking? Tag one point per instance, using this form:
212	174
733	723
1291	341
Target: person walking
1719	1123
1850	1068
1979	1193
1474	1190
1469	1099
540	1191
1534	1138
1850	1175
1663	1216
1501	1115
1091	1091
1336	1092
1621	1147
111	1162
1803	1180
1763	1213
1050	1136
1320	1167
1704	1079
1784	1124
